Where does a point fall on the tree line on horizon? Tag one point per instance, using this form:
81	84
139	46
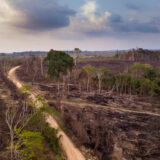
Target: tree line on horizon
139	54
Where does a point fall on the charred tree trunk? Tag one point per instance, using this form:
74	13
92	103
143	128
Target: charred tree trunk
42	70
88	81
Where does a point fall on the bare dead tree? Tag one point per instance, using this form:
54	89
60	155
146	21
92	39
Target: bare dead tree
28	62
42	70
17	118
68	81
35	68
76	52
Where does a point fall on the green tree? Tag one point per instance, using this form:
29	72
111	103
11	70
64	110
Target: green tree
143	70
149	71
137	69
157	85
158	71
38	124
59	63
28	144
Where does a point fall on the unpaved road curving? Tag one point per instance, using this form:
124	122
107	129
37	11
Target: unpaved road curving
68	147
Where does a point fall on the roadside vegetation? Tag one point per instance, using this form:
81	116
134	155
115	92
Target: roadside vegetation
29	131
26	135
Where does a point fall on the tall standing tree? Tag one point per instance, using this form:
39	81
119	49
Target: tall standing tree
100	72
76	51
35	67
59	63
42	70
90	70
158	71
137	69
143	70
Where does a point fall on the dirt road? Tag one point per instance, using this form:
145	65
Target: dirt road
68	147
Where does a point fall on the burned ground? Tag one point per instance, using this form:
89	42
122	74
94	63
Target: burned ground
113	134
114	129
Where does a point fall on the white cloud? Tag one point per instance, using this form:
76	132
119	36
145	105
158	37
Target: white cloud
88	21
91	22
5	11
89	11
9	16
89	8
131	19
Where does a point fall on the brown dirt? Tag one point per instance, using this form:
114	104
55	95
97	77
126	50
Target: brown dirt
112	134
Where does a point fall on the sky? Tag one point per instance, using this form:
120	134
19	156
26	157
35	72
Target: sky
40	25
